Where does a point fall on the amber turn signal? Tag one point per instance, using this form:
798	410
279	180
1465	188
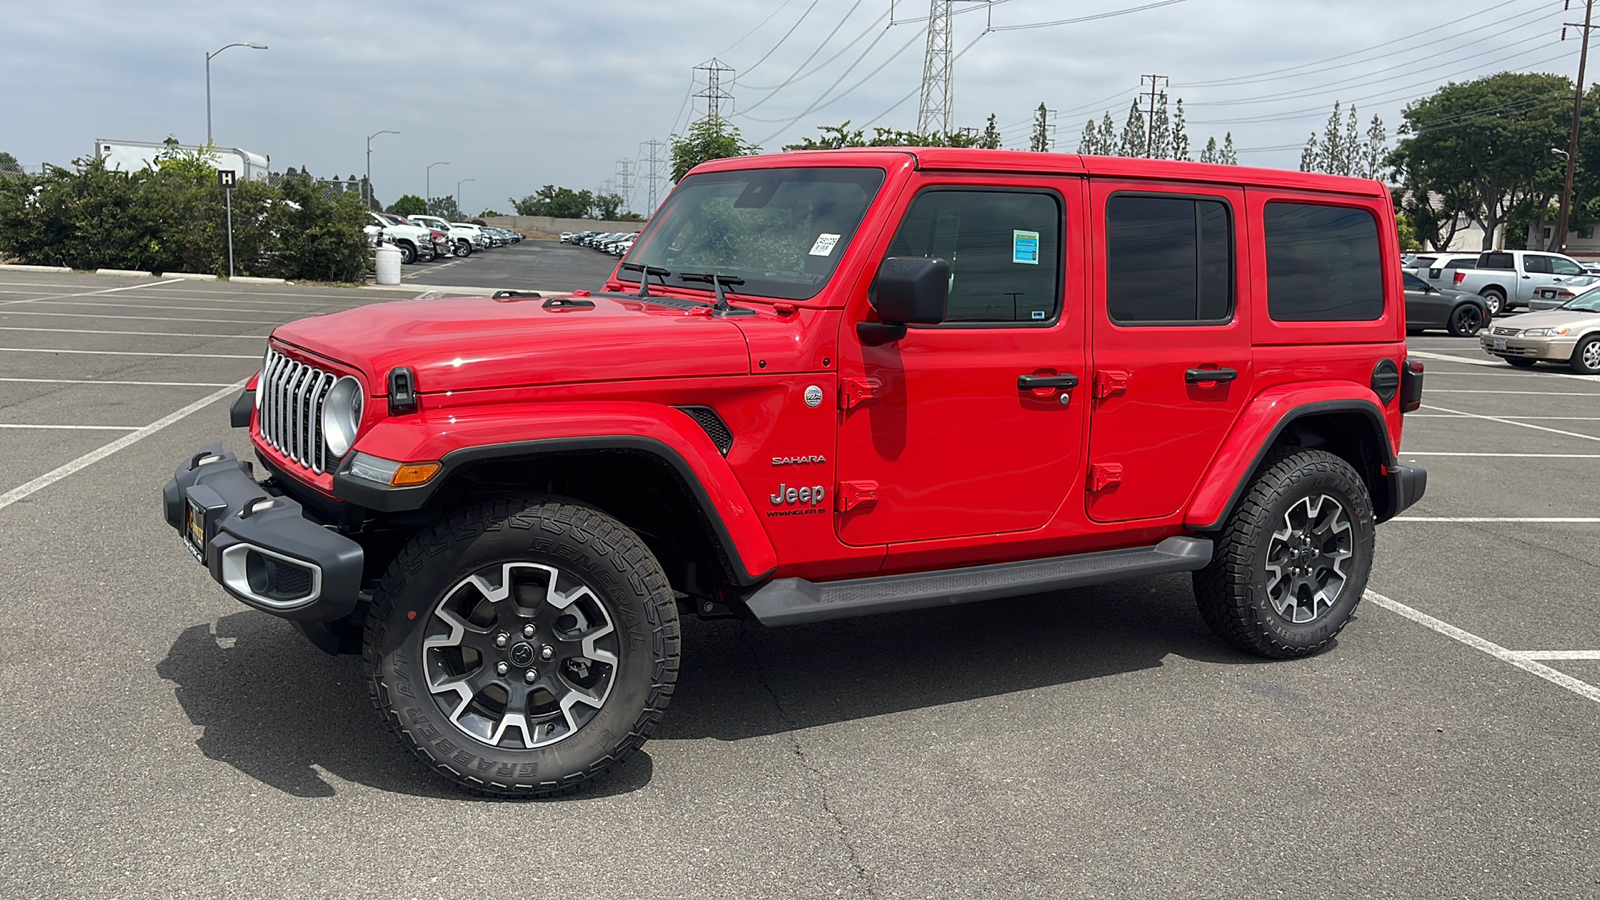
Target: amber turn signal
414	473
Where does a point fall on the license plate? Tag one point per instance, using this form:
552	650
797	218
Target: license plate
1499	343
194	528
1546	294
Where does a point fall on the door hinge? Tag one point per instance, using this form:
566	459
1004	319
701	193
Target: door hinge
853	494
1103	476
1109	382
853	392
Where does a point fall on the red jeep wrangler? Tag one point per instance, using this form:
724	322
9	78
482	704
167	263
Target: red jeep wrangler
824	385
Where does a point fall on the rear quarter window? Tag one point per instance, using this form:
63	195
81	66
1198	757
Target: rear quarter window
1323	263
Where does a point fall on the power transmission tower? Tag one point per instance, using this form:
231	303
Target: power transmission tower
936	111
714	94
1150	120
1577	116
625	180
652	174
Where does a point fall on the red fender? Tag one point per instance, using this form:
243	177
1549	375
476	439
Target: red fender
1258	426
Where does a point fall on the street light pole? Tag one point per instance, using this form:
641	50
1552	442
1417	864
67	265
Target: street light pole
429	182
252	46
1577	117
368	185
458	194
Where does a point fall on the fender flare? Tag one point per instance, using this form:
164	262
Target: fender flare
1258	428
460	437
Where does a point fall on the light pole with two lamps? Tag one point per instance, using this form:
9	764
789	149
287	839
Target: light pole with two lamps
252	46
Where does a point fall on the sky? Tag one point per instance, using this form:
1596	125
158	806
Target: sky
517	95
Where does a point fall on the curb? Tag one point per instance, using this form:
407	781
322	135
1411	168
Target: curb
188	276
126	273
254	279
21	267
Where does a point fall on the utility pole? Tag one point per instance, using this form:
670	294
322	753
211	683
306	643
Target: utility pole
625	180
1577	116
714	94
1150	120
652	174
936	110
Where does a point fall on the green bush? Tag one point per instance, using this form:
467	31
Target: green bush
172	217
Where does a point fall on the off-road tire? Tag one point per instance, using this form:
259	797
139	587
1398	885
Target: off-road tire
1232	591
534	532
1586	356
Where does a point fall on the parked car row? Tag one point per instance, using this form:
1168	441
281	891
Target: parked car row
427	238
615	243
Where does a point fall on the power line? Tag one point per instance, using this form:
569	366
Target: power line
1074	21
785	34
747	34
821	105
797	76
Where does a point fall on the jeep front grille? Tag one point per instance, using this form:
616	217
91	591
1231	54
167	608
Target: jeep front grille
290	394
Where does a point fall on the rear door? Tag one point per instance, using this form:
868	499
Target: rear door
1172	346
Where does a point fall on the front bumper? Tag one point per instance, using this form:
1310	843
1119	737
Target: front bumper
258	544
1552	349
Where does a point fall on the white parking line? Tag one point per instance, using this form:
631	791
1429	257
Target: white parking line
253	337
63	315
1498	364
1431	391
131	353
1558	654
130	287
1510	657
106	381
80	304
43	481
1517	520
1504	421
1517	418
1502	455
74	427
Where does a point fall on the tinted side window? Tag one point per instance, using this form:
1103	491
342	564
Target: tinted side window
1412	282
1168	259
1496	261
1004	249
1538	265
1323	263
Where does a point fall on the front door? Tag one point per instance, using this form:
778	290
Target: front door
964	428
1172	352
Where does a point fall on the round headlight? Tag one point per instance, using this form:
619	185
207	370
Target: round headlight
341	415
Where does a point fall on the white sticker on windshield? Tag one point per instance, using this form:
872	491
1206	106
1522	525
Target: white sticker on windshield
824	244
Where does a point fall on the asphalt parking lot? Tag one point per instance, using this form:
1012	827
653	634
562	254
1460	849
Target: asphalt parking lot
530	265
159	739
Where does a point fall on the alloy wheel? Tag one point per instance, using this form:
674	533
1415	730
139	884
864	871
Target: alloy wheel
1306	558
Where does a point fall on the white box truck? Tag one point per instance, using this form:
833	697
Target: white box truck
130	156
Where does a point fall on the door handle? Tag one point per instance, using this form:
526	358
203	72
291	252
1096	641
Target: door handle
1041	382
1199	376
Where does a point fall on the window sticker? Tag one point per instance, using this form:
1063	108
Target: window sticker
1025	247
824	244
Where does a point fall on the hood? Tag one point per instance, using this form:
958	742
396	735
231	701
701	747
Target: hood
468	343
1551	318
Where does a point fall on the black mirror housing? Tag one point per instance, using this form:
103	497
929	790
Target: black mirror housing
911	290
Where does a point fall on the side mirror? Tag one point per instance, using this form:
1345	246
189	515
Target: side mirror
909	290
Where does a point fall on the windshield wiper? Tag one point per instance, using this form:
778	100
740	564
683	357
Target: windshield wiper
644	276
717	280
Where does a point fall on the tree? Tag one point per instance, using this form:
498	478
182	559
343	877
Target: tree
707	139
1180	134
1159	143
556	202
1209	154
490	213
1040	142
991	135
608	206
1485	144
1133	138
407	205
1227	155
9	164
445	208
837	137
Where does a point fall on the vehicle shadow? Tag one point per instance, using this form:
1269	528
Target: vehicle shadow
283	712
740	680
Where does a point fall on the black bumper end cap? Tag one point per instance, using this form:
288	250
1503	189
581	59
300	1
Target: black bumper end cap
1407	484
239	412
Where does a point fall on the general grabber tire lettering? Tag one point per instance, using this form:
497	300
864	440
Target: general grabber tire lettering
523	646
1292	561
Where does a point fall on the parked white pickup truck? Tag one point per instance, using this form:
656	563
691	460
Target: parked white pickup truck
1509	279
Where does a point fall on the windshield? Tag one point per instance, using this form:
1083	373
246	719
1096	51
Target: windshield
781	230
1589	301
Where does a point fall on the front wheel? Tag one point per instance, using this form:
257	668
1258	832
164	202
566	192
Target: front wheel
1291	563
1586	356
1466	321
408	253
523	647
463	249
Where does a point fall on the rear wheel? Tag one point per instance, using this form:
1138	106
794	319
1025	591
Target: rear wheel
1466	320
1586	356
463	249
1495	299
1291	563
523	647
